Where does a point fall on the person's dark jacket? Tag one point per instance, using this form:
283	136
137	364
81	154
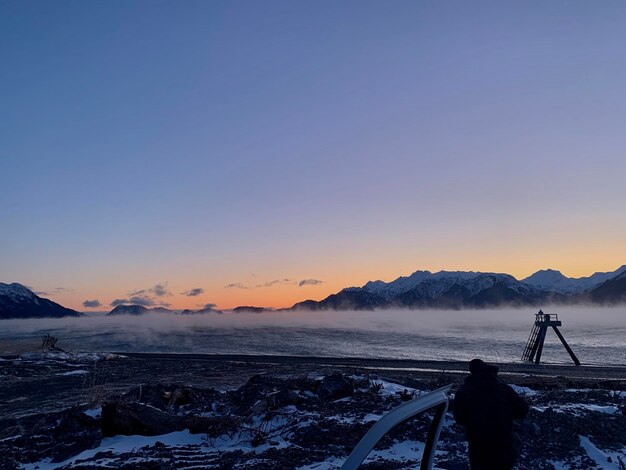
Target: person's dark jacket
486	407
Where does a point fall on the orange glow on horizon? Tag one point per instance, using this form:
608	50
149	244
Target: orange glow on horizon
286	294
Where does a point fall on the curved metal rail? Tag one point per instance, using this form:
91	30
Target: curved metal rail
437	400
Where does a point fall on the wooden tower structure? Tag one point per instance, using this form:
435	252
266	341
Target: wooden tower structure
534	345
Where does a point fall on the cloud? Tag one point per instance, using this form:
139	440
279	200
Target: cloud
274	282
309	282
92	303
142	300
146	297
209	305
165	304
158	290
193	292
136	300
56	290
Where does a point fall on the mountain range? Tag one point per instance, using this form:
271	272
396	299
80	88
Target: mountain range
422	289
133	309
469	289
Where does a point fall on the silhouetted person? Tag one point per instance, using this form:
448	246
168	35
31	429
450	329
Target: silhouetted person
486	407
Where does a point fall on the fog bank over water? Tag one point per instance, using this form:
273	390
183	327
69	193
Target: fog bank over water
597	335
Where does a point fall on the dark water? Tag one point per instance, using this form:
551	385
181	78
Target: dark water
598	336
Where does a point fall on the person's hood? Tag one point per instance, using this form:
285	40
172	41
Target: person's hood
479	367
486	373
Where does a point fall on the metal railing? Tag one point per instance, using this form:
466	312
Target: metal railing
544	317
437	400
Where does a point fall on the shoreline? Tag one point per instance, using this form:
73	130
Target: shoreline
52	381
585	371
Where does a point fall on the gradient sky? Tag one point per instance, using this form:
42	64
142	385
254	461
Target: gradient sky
206	144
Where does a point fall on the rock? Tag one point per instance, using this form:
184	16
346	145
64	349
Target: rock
282	398
213	426
335	386
134	418
75	433
60	434
168	397
178	397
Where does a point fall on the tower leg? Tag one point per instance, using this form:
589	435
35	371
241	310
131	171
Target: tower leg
536	333
540	340
569	350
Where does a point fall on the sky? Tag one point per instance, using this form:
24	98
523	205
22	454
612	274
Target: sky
269	152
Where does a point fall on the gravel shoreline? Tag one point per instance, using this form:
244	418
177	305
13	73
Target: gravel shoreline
34	381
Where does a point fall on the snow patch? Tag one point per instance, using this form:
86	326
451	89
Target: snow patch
399	452
74	372
576	408
122	444
601	458
94	412
529	392
394	389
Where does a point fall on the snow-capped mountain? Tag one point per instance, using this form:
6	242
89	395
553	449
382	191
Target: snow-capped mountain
444	289
17	301
388	290
17	292
469	289
434	284
551	280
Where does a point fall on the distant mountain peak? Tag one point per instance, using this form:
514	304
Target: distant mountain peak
134	309
549	271
131	309
18	301
249	309
16	290
544	275
552	280
199	311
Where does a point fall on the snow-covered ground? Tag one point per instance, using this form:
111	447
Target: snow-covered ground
293	425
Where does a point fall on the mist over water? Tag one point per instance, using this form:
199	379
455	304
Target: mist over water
597	335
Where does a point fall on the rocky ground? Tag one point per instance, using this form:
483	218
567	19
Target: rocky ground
87	411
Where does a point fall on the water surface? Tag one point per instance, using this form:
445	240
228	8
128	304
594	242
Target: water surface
597	336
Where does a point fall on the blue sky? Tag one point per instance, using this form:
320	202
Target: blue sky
205	144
